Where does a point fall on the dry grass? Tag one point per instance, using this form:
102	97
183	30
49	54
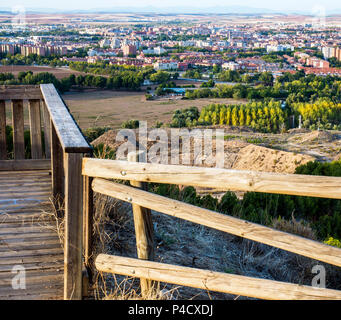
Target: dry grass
56	214
300	228
105	108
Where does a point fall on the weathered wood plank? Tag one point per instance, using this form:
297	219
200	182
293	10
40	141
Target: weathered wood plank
18	129
3	143
212	281
73	226
222	222
58	258
47	131
70	136
57	163
20	92
31	253
143	227
35	129
236	180
23	165
88	217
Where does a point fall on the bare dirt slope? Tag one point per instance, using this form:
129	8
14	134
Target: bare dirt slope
238	154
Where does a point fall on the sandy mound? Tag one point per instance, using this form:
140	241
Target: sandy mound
297	130
314	136
238	155
260	158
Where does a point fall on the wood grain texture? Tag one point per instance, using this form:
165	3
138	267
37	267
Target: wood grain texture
88	217
224	179
213	281
222	222
143	227
69	134
9	92
35	129
73	226
57	167
18	129
28	236
23	165
3	143
47	131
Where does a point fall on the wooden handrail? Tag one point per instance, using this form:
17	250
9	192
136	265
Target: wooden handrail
221	222
17	92
69	134
212	281
224	179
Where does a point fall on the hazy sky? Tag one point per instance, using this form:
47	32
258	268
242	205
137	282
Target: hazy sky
300	5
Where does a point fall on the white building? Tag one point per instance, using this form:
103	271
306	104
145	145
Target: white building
328	52
157	50
165	65
104	43
115	43
280	47
231	65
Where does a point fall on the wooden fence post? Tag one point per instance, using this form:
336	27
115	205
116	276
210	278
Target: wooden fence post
3	146
73	227
143	228
57	168
35	129
18	129
88	221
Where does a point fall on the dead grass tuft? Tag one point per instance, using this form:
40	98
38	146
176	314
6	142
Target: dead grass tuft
300	228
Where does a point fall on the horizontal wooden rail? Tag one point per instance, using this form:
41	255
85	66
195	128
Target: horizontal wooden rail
291	184
222	222
24	165
69	134
20	92
212	281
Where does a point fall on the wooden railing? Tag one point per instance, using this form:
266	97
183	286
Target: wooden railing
315	186
61	151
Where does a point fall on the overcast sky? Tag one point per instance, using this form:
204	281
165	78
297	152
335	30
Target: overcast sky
300	5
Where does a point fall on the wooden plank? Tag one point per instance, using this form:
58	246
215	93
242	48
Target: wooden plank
88	217
18	129
35	129
58	258
3	143
143	227
23	247
237	180
30	253
20	92
47	131
70	136
25	164
23	174
222	222
57	163
73	227
212	281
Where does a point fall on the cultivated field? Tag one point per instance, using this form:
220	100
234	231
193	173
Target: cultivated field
111	108
60	73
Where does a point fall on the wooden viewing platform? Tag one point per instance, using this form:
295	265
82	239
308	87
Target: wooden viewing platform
33	184
28	236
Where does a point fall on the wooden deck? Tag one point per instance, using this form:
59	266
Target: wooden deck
28	236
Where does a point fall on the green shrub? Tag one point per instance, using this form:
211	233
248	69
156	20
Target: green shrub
333	242
92	134
130	124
